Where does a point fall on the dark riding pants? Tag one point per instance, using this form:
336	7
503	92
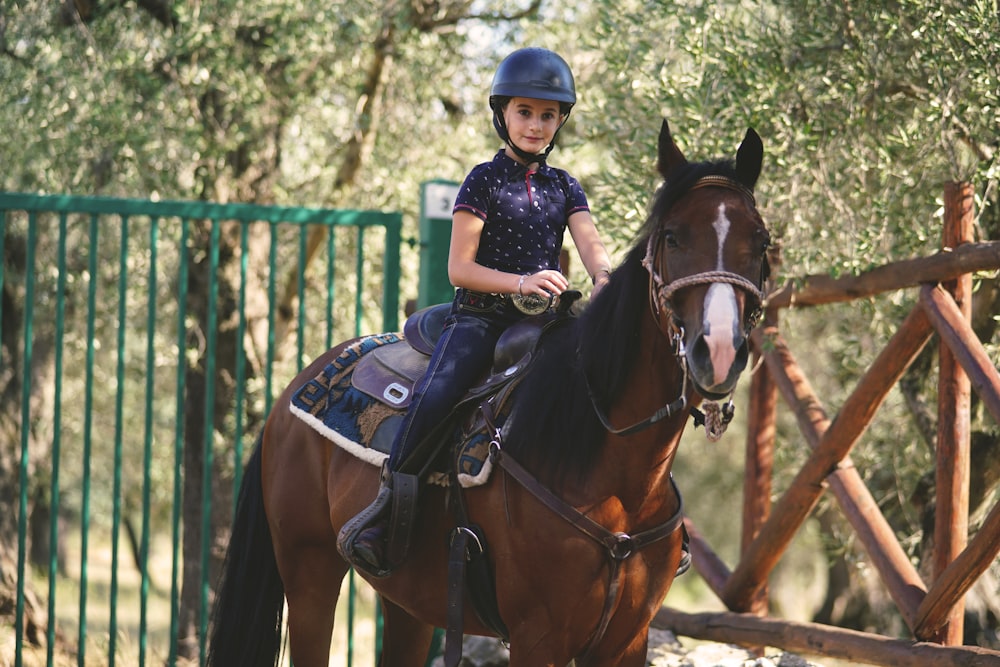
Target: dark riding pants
462	357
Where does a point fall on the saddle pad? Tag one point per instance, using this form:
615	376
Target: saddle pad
365	426
331	405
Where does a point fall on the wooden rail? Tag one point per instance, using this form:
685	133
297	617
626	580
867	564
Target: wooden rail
933	611
816	639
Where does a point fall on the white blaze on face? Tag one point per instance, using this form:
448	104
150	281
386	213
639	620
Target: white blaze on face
721	312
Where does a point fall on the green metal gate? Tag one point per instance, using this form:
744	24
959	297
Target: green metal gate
104	338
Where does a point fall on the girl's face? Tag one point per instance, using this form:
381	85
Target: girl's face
531	123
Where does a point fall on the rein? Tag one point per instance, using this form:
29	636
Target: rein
619	546
668	410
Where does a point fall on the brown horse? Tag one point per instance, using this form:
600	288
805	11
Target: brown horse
580	513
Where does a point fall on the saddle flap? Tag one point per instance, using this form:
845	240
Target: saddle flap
388	373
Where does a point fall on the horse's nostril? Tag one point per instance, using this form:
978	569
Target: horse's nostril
700	349
742	354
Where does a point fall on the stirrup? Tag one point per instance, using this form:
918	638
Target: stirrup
397	501
685	563
348	535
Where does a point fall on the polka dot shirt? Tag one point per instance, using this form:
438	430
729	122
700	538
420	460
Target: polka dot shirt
525	213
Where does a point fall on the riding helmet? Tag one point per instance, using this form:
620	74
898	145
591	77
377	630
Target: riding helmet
534	72
531	72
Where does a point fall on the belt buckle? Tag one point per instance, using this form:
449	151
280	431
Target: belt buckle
532	304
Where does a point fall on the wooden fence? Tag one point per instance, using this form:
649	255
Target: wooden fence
933	611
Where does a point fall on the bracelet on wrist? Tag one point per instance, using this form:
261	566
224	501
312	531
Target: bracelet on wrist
520	285
593	278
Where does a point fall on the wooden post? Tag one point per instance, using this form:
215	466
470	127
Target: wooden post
951	517
759	460
958	335
837	440
706	562
817	290
955	581
856	502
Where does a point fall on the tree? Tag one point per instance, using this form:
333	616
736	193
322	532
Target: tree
866	108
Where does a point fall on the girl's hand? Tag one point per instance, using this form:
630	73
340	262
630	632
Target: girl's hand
544	283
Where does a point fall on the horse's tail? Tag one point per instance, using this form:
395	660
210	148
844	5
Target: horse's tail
246	620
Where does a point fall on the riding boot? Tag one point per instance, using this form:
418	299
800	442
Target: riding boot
373	521
370	544
377	539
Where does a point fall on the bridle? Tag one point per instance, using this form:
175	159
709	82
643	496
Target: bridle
661	292
715	418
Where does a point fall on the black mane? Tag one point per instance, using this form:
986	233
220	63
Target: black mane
554	429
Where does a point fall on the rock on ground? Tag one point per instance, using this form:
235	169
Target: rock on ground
664	651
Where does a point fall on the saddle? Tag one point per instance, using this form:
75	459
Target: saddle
389	373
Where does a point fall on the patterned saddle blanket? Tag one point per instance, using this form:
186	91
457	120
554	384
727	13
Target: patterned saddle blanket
359	399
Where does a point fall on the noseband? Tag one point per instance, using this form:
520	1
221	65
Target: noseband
661	292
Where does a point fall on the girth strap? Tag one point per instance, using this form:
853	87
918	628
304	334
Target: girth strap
468	570
457	560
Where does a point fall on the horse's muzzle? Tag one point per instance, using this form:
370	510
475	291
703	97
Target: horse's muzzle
718	350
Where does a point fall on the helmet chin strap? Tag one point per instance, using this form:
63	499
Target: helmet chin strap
527	157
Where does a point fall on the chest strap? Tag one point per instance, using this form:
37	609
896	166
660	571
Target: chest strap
619	546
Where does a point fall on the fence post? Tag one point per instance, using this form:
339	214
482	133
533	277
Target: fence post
951	517
759	462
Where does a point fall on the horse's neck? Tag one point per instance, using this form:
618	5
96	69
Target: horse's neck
635	469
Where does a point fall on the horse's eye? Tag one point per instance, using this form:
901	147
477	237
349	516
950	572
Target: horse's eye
670	239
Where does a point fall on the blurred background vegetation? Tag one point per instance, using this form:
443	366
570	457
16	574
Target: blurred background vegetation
866	107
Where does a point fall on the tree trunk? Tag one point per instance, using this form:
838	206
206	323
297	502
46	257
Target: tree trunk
12	301
199	417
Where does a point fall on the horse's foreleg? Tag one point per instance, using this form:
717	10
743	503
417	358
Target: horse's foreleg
405	640
311	592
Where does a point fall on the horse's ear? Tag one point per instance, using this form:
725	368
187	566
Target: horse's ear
669	157
749	158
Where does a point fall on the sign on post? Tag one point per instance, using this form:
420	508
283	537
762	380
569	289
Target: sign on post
436	201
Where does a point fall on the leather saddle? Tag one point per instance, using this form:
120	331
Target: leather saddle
389	373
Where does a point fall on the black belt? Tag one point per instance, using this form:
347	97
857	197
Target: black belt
468	297
529	304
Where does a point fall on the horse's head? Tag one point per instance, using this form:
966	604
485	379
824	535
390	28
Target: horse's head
706	256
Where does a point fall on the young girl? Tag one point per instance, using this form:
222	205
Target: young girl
507	233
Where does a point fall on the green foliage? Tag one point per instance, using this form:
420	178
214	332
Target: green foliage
865	110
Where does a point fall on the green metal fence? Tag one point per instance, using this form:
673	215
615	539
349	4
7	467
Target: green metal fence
105	334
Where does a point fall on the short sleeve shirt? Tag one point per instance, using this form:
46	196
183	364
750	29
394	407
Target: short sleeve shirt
525	213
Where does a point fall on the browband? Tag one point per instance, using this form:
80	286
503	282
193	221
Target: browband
724	182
